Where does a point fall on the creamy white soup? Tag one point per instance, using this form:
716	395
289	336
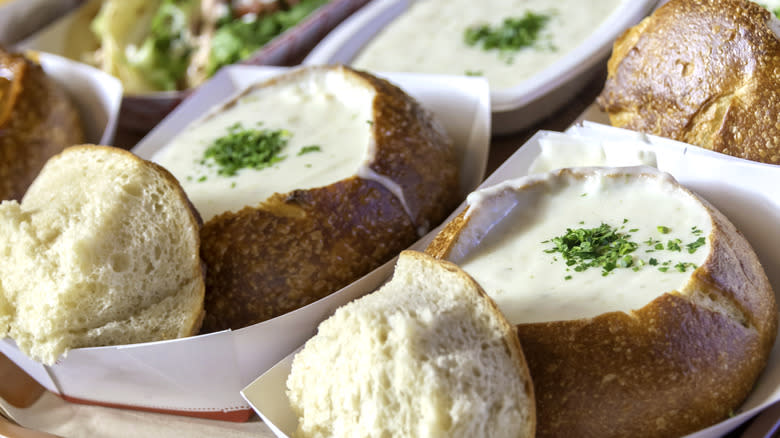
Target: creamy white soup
429	37
324	118
517	264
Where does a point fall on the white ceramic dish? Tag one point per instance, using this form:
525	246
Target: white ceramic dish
97	95
737	187
203	375
514	108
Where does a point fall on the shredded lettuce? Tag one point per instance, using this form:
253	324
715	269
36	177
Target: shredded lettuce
238	39
164	55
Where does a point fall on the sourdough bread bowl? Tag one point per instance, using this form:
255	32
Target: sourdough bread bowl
102	250
428	354
363	170
37	121
660	332
702	72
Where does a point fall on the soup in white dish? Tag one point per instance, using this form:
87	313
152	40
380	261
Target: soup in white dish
429	37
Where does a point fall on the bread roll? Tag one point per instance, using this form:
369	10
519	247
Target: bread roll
703	72
426	355
658	341
37	120
102	250
283	236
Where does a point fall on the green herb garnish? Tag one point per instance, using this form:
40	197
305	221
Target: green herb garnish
246	148
512	35
473	73
602	247
693	246
307	149
609	248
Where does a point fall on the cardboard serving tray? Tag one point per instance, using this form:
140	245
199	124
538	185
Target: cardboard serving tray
743	190
515	108
203	375
141	112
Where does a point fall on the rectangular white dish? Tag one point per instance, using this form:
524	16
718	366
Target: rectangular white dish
737	187
513	108
203	375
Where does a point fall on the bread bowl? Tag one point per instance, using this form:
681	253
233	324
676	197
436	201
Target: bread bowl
102	250
277	250
428	354
668	363
37	120
702	72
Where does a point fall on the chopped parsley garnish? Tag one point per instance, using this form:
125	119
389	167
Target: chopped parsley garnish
693	246
307	149
609	248
602	247
673	245
511	35
473	73
246	148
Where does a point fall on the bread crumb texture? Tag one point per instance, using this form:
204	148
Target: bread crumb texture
427	355
103	250
700	71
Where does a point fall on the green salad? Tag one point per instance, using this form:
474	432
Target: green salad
159	45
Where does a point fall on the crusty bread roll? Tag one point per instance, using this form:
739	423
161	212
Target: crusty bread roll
37	120
703	72
102	250
667	339
276	251
426	355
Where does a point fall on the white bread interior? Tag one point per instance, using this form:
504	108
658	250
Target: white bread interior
428	355
103	250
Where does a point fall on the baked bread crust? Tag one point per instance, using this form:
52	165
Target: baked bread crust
298	247
683	362
703	72
37	121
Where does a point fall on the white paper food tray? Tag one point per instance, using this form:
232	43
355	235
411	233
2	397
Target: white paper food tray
203	375
141	112
737	187
97	96
515	108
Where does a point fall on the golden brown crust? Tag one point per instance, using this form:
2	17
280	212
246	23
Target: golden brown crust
296	248
37	121
703	72
679	364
